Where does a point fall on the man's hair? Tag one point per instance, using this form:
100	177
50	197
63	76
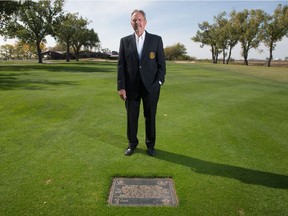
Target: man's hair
139	11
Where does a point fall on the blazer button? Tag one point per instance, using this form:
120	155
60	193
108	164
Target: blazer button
140	67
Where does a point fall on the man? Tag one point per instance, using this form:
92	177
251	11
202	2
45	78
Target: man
141	72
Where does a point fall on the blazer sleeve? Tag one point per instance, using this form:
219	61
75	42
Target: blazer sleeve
161	64
121	67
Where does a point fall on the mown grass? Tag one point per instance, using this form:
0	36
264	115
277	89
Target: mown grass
221	135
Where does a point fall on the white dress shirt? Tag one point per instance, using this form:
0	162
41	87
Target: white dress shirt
139	43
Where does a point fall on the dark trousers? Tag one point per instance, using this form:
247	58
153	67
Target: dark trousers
150	101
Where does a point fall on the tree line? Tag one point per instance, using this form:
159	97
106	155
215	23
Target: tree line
247	27
31	22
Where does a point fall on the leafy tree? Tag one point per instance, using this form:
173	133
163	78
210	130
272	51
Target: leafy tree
207	35
65	29
219	36
26	51
7	10
248	25
7	51
86	38
35	21
176	51
73	32
222	33
233	38
274	29
226	36
69	26
19	50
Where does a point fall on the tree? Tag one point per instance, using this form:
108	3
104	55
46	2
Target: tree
86	38
207	35
35	21
248	25
64	31
233	38
26	51
222	33
73	32
274	29
7	10
176	51
19	50
226	36
7	51
220	36
69	30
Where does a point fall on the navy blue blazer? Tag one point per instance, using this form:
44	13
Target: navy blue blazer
151	66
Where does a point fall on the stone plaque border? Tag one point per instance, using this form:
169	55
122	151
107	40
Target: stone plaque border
142	192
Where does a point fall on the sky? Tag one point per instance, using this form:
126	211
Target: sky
174	21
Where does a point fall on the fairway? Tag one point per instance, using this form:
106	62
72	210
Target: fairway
221	136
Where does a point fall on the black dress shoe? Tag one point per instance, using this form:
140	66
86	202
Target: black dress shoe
129	151
151	151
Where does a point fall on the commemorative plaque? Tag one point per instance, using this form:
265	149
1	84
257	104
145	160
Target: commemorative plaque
142	192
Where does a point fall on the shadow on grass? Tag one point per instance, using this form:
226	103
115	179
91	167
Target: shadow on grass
62	67
11	81
248	176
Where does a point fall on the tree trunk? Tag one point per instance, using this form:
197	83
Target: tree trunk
245	55
216	57
77	54
67	52
76	51
39	53
245	61
229	55
224	56
271	54
213	54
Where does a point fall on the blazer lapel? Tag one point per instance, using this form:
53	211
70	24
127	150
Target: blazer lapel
134	48
145	45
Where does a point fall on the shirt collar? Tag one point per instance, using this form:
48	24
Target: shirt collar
142	37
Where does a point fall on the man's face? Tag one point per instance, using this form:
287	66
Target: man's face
138	23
